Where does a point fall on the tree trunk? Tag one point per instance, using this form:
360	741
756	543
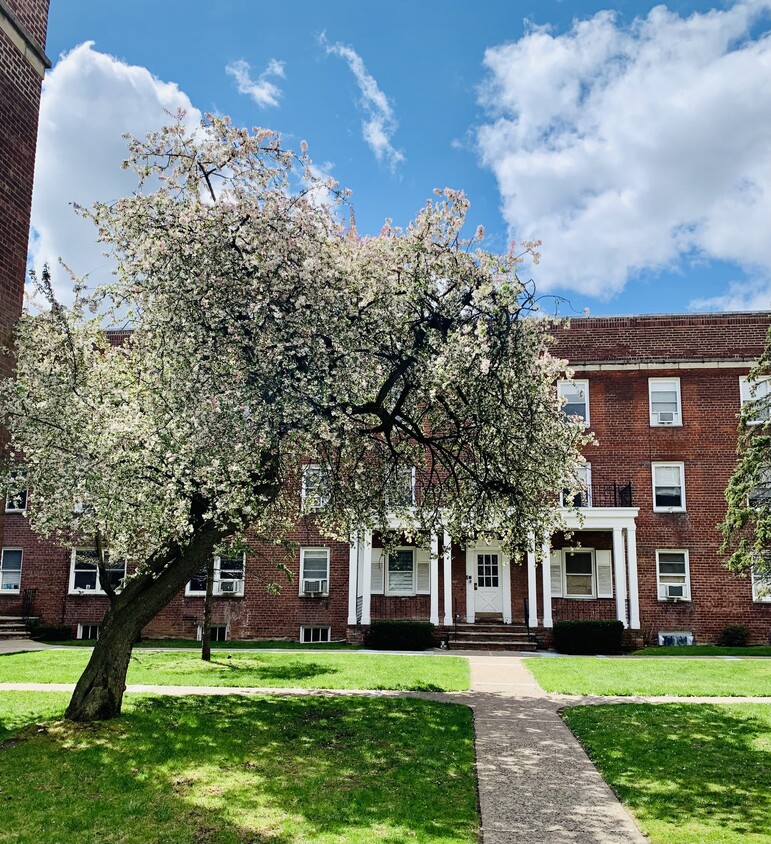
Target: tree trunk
99	692
207	602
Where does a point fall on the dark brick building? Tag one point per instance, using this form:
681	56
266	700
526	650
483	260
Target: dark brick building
661	394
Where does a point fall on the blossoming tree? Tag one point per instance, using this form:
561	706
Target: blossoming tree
264	334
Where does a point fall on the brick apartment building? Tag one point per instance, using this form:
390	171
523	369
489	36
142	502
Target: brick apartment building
23	62
660	393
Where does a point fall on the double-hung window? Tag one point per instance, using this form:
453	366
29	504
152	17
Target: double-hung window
581	573
668	487
400	490
760	494
672	575
755	395
406	571
15	499
84	572
761	586
664	400
315	487
10	570
314	571
582	497
576	398
228	576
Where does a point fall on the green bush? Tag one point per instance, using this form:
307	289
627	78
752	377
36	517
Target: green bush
588	637
734	636
51	632
400	635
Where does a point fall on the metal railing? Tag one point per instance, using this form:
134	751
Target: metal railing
604	495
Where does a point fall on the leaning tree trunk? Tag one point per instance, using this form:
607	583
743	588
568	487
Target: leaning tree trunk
99	692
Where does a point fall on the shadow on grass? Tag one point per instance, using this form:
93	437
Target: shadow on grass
684	763
286	671
230	770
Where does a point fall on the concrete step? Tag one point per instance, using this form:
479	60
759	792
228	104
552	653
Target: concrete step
492	645
7	633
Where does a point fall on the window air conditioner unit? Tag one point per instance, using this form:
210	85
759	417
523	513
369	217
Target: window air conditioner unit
229	586
674	591
666	417
314	587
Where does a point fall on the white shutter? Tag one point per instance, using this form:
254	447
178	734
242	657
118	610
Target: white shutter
423	571
556	574
604	565
378	571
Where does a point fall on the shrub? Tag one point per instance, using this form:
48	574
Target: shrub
588	637
734	636
51	632
400	635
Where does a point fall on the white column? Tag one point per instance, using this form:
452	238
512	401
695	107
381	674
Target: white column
447	575
434	579
532	595
546	582
366	580
353	572
634	594
619	574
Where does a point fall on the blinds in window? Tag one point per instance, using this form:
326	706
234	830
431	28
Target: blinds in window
603	561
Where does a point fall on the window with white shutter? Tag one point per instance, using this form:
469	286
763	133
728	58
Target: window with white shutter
423	569
604	565
378	571
556	574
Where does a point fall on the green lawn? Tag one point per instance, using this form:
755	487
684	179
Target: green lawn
322	670
690	773
590	676
232	770
704	650
271	644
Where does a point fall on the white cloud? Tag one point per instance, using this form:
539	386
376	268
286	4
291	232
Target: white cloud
753	295
262	91
89	100
380	125
635	148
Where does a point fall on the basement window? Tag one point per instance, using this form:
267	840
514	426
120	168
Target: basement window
311	635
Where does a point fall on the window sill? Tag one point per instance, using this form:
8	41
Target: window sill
215	595
10	592
15	512
668	511
87	593
674	600
312	595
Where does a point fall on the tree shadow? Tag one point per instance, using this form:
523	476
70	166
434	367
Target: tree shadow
286	670
684	763
230	770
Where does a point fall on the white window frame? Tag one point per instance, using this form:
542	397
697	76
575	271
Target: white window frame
581	384
655	422
97	590
79	634
217	591
657	508
323	501
225	627
17	589
315	549
661	586
387	572
578	550
584	469
9	508
747	395
761	582
311	627
404	470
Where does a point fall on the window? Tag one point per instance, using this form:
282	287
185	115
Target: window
228	577
88	631
84	574
576	395
760	494
582	498
664	398
312	635
756	393
401	487
408	572
668	487
10	569
315	488
581	573
217	633
761	586
314	571
673	575
15	499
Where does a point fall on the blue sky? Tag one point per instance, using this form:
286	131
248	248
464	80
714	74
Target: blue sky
633	140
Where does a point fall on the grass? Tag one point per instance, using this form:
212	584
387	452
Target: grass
690	773
686	678
231	645
321	670
232	770
704	650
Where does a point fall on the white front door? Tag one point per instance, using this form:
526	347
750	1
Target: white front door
488	595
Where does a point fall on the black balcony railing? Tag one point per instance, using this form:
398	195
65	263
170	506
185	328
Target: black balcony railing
605	495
